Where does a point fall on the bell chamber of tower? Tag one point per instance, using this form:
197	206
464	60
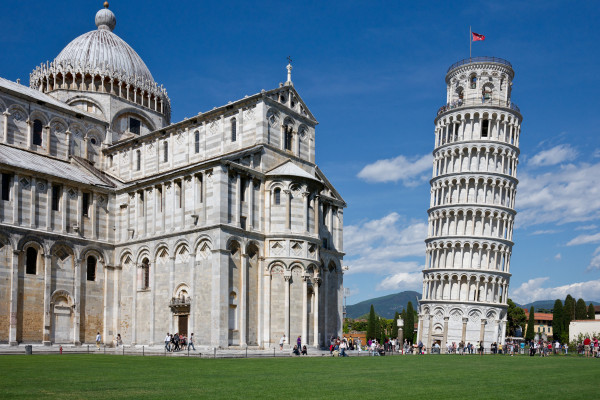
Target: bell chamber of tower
471	214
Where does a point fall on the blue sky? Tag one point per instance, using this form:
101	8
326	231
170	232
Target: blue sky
373	75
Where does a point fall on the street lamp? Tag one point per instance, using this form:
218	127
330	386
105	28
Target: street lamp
400	323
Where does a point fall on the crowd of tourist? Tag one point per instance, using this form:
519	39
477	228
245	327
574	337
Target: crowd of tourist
177	342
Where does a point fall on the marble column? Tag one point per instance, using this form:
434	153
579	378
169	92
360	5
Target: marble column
47	294
14	297
286	327
267	309
445	340
243	299
316	285
464	329
77	301
305	310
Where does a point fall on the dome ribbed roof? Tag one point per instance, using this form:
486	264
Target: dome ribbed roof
101	49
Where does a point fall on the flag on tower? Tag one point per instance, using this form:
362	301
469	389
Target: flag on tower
477	36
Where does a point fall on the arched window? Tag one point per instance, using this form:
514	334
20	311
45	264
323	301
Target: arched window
473	81
233	129
166	151
485	127
487	93
91	268
37	132
460	93
232	311
287	137
138	159
197	142
145	283
31	261
277	196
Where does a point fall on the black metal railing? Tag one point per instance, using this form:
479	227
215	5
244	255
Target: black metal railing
472	60
478	101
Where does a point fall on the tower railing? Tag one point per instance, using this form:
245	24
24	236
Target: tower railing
479	59
478	101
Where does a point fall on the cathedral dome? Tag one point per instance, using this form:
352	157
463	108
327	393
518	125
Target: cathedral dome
101	49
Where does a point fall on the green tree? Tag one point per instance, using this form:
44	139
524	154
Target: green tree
569	313
530	333
394	333
558	320
409	323
580	309
591	312
515	318
372	324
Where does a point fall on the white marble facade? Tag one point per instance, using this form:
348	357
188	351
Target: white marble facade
471	214
115	220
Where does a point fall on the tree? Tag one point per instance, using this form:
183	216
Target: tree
515	318
409	323
591	312
558	320
395	325
580	309
569	314
530	333
372	324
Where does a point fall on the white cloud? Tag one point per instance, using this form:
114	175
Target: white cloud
553	156
586	227
595	261
410	171
532	290
558	256
545	232
387	247
571	193
584	239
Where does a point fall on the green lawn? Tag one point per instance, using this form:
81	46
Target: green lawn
420	377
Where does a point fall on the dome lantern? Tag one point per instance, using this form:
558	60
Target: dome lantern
105	19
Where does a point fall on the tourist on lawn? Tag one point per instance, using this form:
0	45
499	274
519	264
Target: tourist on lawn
586	346
281	342
343	347
191	342
481	348
299	342
595	347
296	352
176	342
556	347
420	347
304	351
98	339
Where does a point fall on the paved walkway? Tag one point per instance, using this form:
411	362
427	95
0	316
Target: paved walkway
158	350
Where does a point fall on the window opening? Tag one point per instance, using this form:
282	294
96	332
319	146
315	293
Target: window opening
56	189
135	125
166	151
473	81
277	195
287	139
484	128
86	204
91	268
197	142
242	189
233	129
37	132
6	178
138	155
31	261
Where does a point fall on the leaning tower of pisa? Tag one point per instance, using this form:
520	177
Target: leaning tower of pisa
471	215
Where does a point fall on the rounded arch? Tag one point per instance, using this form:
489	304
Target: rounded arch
134	112
277	263
93	251
61	293
181	291
79	98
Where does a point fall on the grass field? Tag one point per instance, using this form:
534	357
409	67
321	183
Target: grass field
414	377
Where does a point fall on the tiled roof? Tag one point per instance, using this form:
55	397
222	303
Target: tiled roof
540	316
47	165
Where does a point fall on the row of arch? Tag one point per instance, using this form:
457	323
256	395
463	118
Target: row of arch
57	136
456	254
141	92
486	223
472	314
293	136
465	287
484	125
473	190
470	158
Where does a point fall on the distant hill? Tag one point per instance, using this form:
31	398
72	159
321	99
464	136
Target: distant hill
385	306
548	304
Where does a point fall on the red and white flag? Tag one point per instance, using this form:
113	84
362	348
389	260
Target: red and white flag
477	36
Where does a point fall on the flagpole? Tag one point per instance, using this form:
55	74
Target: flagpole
470	42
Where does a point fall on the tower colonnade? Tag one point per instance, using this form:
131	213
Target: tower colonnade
471	215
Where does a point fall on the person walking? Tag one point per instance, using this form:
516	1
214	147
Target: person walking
299	342
98	339
191	342
168	342
281	342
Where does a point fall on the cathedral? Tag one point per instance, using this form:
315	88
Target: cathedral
115	220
